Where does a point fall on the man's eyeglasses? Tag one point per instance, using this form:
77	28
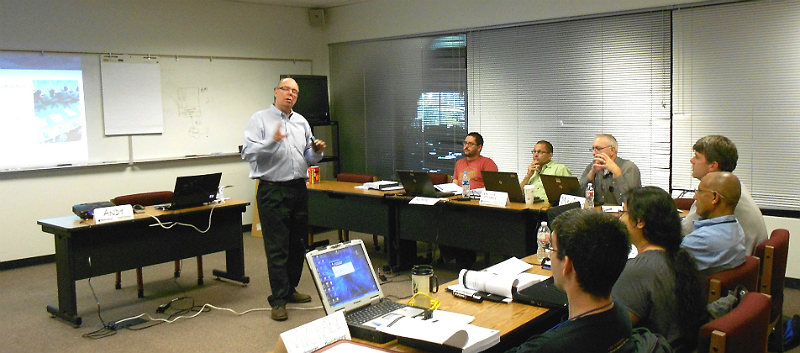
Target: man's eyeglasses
621	213
289	89
470	144
550	249
598	149
697	191
539	152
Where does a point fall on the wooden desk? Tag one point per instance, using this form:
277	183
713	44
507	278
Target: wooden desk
516	322
85	249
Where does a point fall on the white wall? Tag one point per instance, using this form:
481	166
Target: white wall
389	18
198	27
793	226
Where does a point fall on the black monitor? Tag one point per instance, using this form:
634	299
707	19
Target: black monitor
312	101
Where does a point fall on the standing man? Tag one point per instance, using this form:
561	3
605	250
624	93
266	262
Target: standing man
589	252
542	164
717	242
611	175
279	146
474	163
714	153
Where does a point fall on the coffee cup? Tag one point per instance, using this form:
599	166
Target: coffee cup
528	189
423	281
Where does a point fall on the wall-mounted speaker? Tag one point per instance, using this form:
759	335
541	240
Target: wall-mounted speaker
316	17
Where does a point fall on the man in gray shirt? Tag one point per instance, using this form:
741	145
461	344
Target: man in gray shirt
610	175
714	153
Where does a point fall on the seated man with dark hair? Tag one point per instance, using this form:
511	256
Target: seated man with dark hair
589	251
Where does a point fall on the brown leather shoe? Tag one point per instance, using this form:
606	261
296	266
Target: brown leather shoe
298	297
279	313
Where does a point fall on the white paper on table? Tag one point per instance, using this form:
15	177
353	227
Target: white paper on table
510	266
429	201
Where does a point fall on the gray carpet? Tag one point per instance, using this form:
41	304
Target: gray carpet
27	327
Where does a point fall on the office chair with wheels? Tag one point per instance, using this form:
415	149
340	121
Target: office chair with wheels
743	330
149	199
774	253
440	178
745	274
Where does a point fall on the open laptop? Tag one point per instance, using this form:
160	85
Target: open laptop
419	184
554	186
194	190
507	182
345	280
543	294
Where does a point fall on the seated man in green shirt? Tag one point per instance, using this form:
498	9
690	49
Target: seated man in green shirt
542	164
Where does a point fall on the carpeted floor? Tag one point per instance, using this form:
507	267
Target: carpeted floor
27	327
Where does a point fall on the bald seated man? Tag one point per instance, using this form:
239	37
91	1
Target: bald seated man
717	242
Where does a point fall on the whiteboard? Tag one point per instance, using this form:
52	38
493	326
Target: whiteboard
207	102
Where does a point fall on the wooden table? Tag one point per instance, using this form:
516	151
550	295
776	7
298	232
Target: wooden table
85	249
516	322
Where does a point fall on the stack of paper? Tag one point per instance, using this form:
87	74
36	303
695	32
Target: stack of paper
498	279
441	335
383	185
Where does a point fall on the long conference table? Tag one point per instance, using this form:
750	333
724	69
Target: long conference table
85	249
509	230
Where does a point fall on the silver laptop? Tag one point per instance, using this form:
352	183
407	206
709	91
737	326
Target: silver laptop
345	281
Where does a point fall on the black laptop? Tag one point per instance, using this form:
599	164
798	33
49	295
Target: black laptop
543	294
554	186
419	184
193	191
507	182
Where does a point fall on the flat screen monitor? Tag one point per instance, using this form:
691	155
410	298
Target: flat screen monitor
312	101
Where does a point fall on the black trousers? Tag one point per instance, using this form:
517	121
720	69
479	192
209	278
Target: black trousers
283	210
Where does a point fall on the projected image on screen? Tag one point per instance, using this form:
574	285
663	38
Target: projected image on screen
55	103
345	275
43	111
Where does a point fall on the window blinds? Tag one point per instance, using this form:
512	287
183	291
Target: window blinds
567	81
737	73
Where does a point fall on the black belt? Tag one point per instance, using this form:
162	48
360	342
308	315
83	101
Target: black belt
285	183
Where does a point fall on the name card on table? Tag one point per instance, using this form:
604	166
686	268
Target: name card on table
494	198
565	199
113	214
314	335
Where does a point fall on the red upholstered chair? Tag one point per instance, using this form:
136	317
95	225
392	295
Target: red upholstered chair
440	178
743	330
745	274
773	253
683	203
351	178
149	199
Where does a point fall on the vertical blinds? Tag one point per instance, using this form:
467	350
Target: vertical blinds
409	94
737	73
567	81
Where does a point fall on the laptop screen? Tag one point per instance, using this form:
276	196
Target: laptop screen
344	275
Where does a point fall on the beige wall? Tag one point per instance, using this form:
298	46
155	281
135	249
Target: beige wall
198	27
390	18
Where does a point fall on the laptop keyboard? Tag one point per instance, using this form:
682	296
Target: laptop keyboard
363	315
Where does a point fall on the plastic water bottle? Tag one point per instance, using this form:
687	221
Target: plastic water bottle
465	184
543	241
589	203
